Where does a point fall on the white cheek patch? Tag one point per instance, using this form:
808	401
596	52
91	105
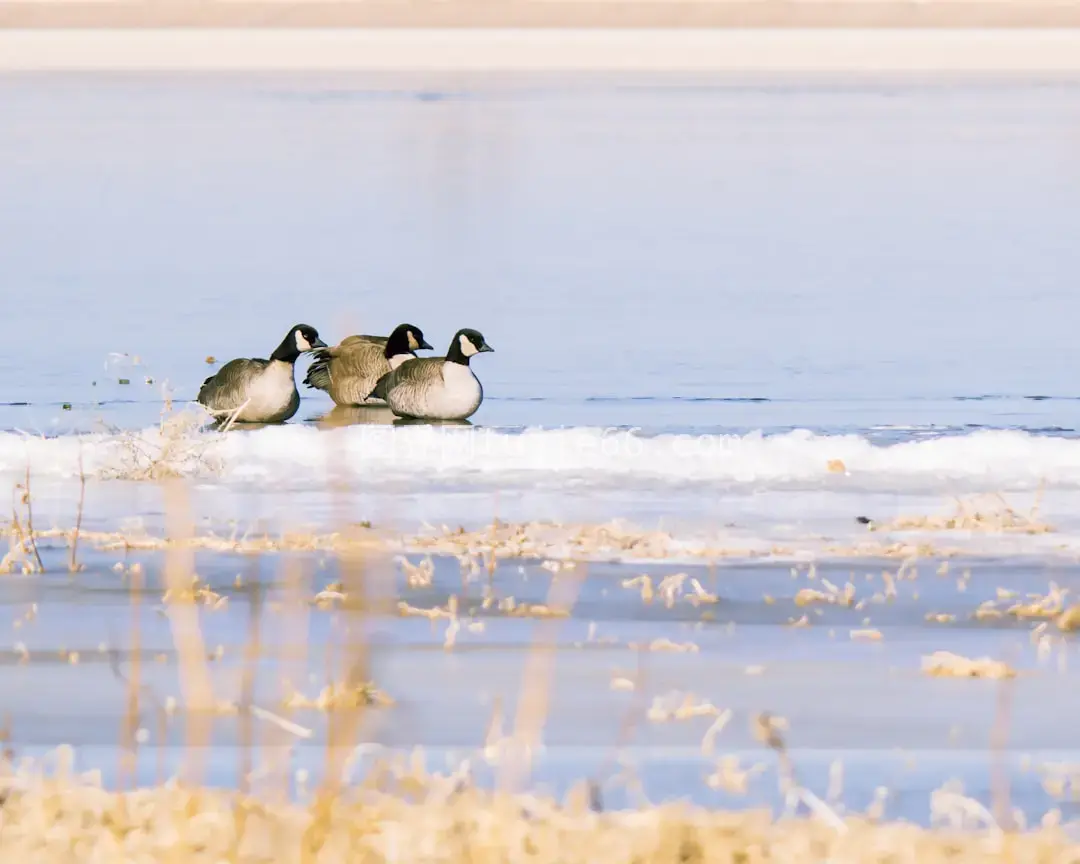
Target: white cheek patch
467	348
301	343
413	344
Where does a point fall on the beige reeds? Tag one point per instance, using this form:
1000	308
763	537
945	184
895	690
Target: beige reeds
343	722
468	548
476	827
69	817
195	684
29	501
252	652
73	565
131	733
130	726
344	719
26	539
1001	796
470	826
632	719
295	615
231	419
945	664
347	696
532	708
182	449
989	513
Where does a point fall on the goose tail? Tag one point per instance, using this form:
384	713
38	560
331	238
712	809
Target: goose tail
318	374
206	391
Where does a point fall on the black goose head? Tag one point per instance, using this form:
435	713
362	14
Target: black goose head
300	339
406	339
466	344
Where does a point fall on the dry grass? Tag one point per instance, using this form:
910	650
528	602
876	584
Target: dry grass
181	448
945	664
680	706
475	562
1061	781
23	549
195	681
559	547
1069	620
195	592
1052	607
830	595
617	541
620	541
400	812
986	513
672	589
508	606
547	540
338	695
245	543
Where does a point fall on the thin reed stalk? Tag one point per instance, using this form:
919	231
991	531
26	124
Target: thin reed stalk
30	522
73	565
292	659
344	721
252	651
195	683
232	417
533	701
129	731
1001	793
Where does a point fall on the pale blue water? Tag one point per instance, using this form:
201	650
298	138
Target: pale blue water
891	259
726	255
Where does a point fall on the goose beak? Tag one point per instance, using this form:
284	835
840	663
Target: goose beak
318	343
485	348
424	344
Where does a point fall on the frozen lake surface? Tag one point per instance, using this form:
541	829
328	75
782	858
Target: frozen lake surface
861	702
791	272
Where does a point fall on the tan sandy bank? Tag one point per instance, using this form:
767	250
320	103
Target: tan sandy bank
635	14
920	51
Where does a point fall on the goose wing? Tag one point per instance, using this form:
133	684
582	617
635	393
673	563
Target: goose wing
413	380
359	357
227	390
352	340
358	367
379	391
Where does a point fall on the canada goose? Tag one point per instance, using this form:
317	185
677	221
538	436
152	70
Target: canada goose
265	388
437	388
349	371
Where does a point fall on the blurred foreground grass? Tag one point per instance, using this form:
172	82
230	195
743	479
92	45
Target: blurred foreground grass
402	814
398	811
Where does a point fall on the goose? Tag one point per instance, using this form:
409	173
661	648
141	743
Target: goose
437	388
350	370
265	388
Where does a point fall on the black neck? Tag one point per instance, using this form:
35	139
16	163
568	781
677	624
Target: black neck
455	354
286	352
